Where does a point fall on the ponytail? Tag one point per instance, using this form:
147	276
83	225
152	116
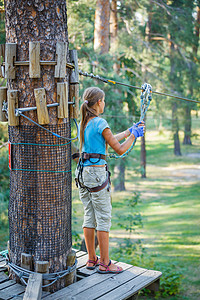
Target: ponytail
90	97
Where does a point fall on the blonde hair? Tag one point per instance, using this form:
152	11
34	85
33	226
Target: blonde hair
90	96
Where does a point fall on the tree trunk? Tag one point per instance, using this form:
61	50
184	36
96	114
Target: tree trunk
120	176
188	119
143	157
197	30
119	183
175	124
101	31
175	130
40	180
113	25
143	142
188	122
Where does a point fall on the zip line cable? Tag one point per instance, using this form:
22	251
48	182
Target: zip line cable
132	86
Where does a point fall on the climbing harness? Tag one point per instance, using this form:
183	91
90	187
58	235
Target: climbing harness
87	156
132	86
145	97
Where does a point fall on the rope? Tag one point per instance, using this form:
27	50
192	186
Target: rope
48	171
145	102
53	277
132	86
55	134
46	145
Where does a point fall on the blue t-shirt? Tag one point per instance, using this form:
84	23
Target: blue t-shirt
94	141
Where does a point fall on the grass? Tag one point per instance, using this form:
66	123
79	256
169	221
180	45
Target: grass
170	209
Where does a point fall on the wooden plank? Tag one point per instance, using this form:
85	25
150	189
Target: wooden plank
3	277
2	258
76	105
26	261
3	269
76	250
132	287
74	97
20	297
66	100
62	99
110	284
3	97
42	112
34	287
81	253
82	261
12	96
34	59
43	268
74	76
60	68
82	285
70	278
11	291
2	263
10	57
71	99
6	284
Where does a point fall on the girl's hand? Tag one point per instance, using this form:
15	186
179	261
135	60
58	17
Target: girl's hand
137	131
137	125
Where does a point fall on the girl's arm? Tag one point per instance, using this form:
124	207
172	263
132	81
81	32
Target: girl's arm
122	135
113	141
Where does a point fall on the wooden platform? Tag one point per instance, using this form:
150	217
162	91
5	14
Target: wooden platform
90	284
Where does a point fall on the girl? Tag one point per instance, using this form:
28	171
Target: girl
92	176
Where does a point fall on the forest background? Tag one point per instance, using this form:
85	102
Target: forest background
135	42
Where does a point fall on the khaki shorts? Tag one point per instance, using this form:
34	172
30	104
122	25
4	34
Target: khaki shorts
97	205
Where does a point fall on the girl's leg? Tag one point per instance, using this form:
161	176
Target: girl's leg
89	234
103	239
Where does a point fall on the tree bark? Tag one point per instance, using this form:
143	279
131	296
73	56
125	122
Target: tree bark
101	31
188	123
143	158
40	202
120	175
175	124
175	130
197	30
143	142
119	183
113	25
188	119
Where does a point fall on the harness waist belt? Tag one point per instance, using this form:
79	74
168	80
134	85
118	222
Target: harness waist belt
86	156
98	188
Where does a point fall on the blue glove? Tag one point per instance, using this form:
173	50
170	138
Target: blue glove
137	131
136	125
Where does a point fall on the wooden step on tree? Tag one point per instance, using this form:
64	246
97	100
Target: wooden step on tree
38	71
